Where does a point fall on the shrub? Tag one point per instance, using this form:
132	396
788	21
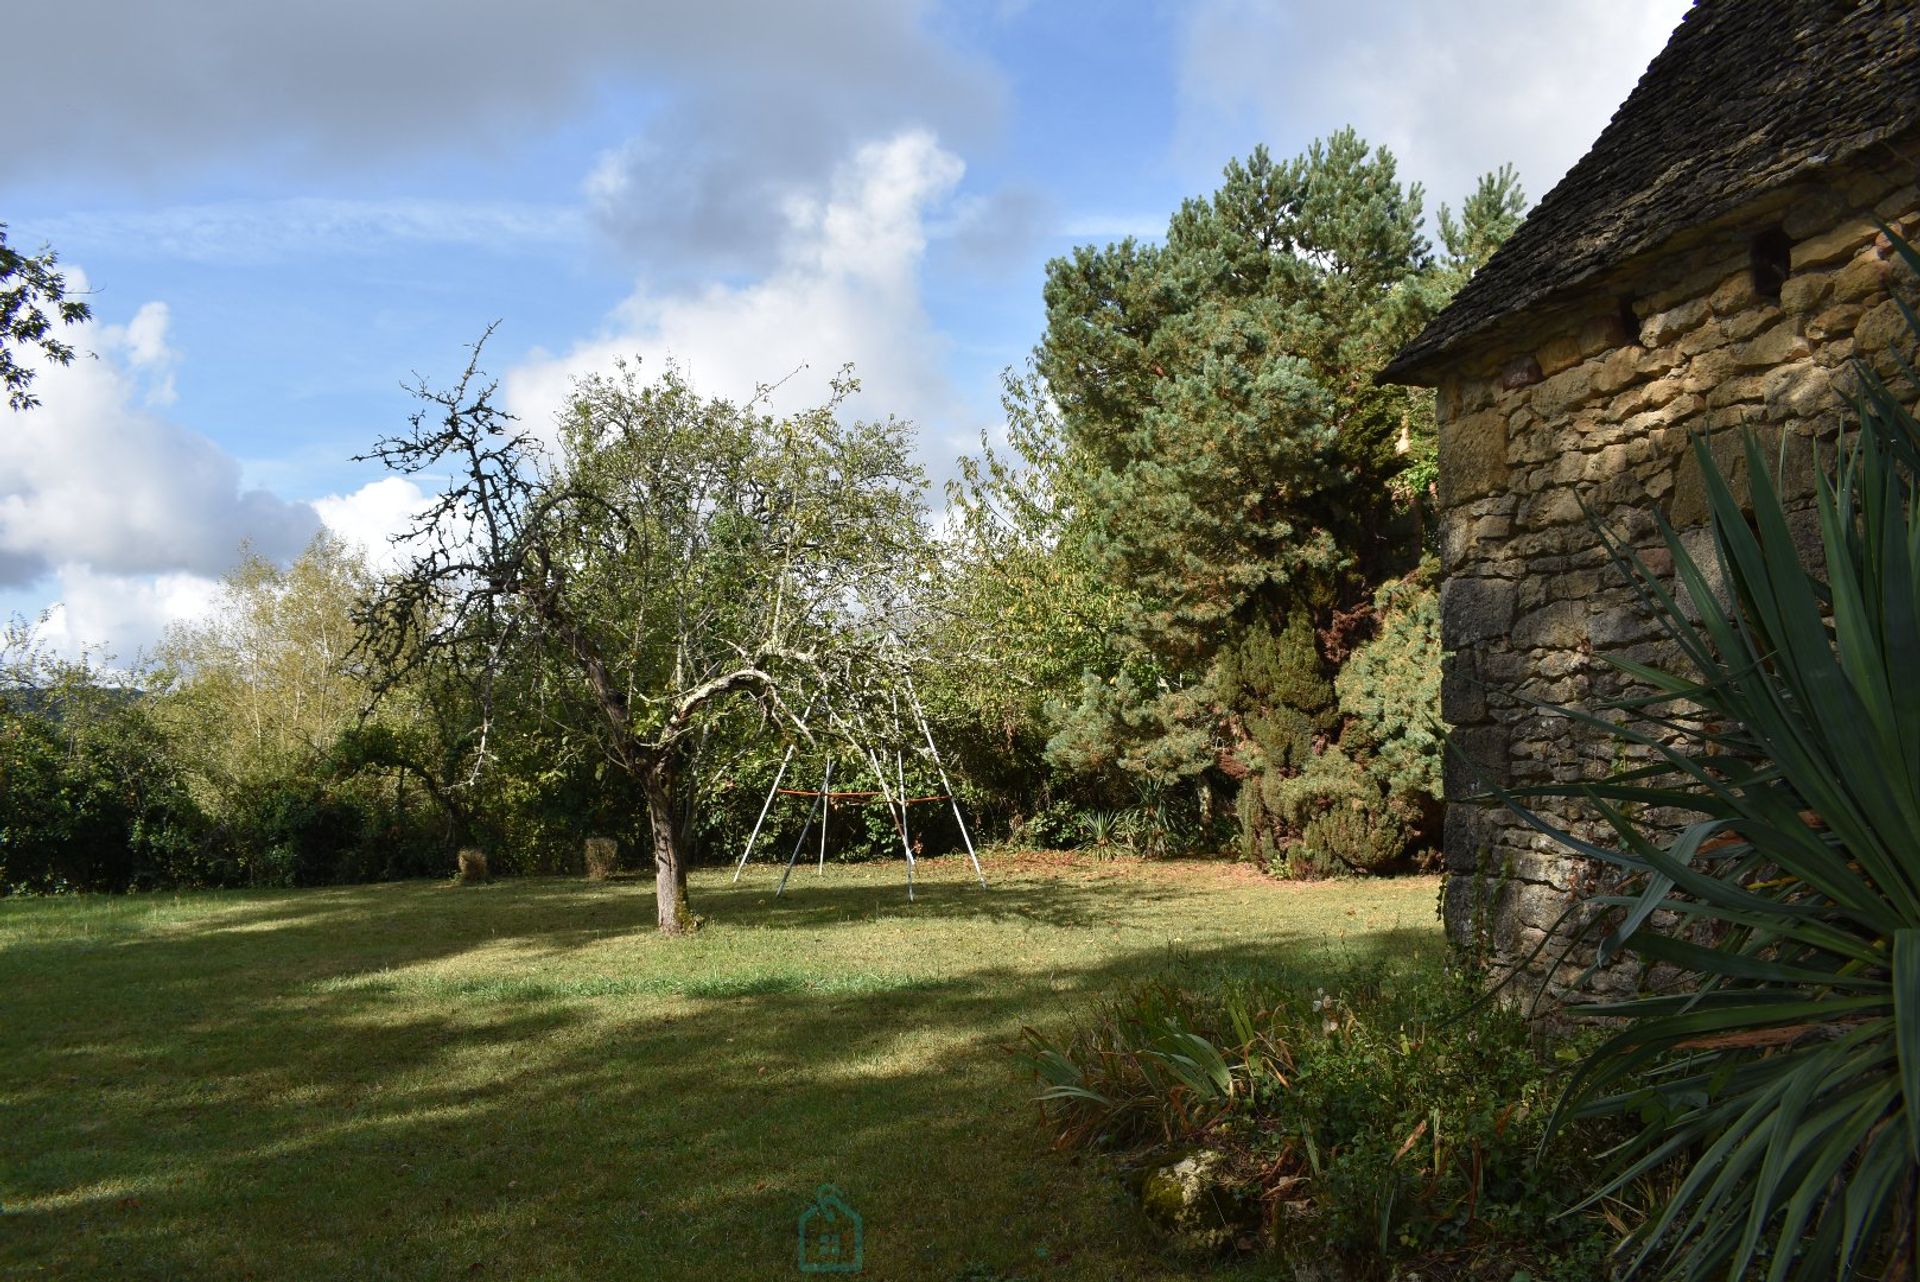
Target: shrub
1279	683
1389	690
1344	788
1402	1122
1344	821
307	835
90	797
1329	819
1362	834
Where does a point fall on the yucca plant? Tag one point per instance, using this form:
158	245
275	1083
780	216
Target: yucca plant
1784	1081
1102	829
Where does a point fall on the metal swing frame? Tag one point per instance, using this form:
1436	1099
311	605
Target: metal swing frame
893	795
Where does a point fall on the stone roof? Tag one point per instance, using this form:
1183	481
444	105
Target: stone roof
1747	96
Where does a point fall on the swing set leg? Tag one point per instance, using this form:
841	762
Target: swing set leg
768	805
795	856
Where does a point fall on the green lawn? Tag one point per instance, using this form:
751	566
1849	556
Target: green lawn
522	1081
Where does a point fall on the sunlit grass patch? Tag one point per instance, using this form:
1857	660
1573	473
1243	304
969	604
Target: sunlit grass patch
406	1081
524	989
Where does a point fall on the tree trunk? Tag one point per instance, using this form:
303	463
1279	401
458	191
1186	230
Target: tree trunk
669	868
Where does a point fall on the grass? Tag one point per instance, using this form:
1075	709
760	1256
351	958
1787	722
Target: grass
521	1081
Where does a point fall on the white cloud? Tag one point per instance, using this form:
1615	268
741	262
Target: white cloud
143	342
1452	90
846	288
126	613
370	517
94	482
145	336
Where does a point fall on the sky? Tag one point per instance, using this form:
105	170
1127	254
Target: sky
285	215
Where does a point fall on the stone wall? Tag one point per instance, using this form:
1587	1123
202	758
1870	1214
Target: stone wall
1593	403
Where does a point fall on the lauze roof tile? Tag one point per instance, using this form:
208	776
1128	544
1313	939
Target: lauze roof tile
1746	96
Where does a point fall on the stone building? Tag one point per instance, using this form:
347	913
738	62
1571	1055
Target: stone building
1713	262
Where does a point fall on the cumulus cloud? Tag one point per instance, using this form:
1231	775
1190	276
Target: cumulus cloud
95	481
143	342
845	288
372	516
1453	90
125	613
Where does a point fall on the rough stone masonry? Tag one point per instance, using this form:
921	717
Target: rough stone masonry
1721	330
1714	262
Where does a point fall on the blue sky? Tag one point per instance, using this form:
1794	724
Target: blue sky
285	212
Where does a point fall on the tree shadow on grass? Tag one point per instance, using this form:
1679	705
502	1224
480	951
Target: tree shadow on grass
241	1101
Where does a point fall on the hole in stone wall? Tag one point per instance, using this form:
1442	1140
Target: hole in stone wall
1629	322
1770	259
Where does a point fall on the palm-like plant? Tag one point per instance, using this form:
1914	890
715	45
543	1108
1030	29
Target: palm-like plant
1788	1073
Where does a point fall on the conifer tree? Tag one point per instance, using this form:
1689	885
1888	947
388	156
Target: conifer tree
1220	388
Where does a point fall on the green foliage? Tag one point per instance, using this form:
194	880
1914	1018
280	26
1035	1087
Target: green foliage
1221	386
1787	1074
264	710
714	539
1028	607
1400	1123
1031	689
1061	825
1487	218
1278	687
1389	690
1277	684
91	794
1116	729
1232	461
1345	824
1329	818
1348	787
32	297
683	555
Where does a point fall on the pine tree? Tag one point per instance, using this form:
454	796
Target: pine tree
1223	385
1242	460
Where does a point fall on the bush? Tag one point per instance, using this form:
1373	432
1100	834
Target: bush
1331	818
1345	822
1402	1122
1361	833
90	798
1278	683
301	834
1389	690
1346	787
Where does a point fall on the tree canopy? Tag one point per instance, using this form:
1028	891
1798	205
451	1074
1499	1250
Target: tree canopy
677	554
1204	486
1222	385
32	297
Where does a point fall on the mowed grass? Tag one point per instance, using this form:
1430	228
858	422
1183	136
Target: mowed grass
522	1081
